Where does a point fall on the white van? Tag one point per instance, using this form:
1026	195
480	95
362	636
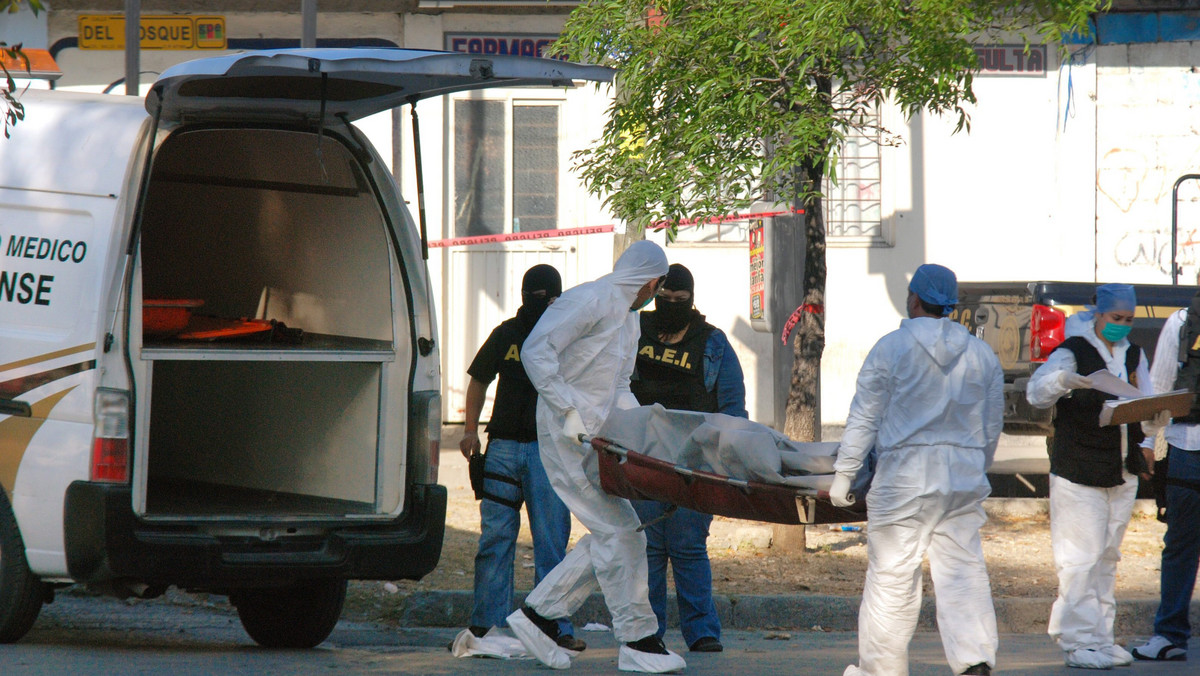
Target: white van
217	358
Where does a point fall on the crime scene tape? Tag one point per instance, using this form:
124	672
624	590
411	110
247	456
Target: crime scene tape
594	230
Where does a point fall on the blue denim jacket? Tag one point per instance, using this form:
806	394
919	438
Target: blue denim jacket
723	371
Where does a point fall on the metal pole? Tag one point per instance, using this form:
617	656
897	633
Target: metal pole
308	35
133	46
1175	225
420	176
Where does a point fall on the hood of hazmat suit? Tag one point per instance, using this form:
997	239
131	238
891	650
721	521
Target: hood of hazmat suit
580	357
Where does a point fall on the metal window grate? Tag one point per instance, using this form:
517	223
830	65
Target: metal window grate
853	207
535	168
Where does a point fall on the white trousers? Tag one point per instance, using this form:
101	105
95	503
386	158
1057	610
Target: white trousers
926	501
612	556
1087	525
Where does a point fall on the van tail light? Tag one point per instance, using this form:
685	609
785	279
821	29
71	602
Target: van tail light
1046	326
110	442
434	432
424	436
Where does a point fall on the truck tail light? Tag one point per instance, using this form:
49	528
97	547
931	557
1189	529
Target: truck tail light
1046	326
110	442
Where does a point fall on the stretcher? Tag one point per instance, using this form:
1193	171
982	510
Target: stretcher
628	474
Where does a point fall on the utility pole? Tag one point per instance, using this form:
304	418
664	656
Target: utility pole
133	46
308	34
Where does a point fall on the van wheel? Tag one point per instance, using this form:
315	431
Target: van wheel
297	616
21	592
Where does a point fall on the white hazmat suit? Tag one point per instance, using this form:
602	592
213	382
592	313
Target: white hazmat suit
930	397
580	357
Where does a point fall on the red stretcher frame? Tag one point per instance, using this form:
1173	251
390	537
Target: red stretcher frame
634	476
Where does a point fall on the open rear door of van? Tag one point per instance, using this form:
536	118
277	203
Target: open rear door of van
329	85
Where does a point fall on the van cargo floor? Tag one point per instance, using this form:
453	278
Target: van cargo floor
178	497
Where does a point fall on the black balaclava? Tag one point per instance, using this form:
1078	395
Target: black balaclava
673	316
540	277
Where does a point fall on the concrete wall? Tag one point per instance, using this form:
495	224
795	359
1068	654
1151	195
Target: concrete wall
1147	97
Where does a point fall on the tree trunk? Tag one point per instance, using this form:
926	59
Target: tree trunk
622	241
802	421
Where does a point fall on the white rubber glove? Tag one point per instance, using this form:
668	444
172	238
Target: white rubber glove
839	492
627	401
1073	381
1162	419
573	427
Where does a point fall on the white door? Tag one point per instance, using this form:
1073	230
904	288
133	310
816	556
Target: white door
507	173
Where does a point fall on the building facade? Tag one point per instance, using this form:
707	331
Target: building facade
1069	170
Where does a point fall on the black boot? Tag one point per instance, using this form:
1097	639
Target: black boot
548	627
651	644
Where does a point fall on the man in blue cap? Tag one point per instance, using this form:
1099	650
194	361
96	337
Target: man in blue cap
930	400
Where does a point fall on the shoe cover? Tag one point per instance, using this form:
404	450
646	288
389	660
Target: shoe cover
1085	658
537	643
854	671
1120	656
629	659
492	644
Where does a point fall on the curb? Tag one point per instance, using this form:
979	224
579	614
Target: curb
829	613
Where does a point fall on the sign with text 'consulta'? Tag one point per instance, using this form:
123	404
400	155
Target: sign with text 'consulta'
171	31
1012	60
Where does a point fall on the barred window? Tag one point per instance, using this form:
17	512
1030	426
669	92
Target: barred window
853	206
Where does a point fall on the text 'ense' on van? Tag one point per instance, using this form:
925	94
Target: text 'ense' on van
217	359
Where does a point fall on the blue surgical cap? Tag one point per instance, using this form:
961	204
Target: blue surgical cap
1115	298
935	285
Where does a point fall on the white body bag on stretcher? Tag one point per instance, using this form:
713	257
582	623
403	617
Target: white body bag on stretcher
723	465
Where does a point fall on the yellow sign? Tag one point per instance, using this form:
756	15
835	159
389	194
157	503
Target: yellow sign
107	31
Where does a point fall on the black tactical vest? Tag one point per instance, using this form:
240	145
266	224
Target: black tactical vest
1189	356
673	375
1084	452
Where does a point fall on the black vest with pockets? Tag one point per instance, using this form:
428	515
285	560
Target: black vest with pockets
673	375
1084	452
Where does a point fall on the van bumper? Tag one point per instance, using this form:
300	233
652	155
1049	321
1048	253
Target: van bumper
105	541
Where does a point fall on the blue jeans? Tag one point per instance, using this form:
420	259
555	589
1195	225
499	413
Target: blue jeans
683	539
549	524
1181	551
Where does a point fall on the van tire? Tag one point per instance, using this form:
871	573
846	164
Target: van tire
301	615
21	592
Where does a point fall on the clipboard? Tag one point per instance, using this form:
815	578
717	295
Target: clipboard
1123	411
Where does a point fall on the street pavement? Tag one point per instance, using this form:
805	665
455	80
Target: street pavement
99	636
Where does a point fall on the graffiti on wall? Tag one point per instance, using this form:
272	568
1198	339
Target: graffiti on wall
1152	248
1124	177
1140	188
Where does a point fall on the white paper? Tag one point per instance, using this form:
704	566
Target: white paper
1108	383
